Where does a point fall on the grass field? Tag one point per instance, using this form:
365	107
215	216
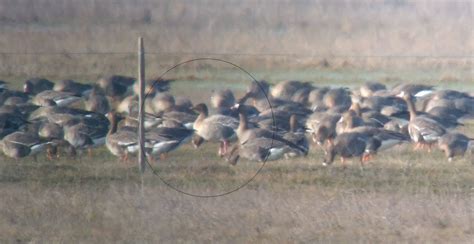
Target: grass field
401	196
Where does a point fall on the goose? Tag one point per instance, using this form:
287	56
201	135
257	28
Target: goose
121	142
322	127
70	86
10	122
97	102
297	137
337	97
34	86
3	84
422	129
86	133
21	144
291	90
316	97
162	102
416	90
347	145
215	128
61	99
165	139
369	88
260	150
245	133
116	86
454	144
153	86
262	100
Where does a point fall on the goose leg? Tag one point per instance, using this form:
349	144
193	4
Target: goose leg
163	156
226	146
89	152
221	149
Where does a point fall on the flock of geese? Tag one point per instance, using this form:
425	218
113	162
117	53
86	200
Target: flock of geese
267	123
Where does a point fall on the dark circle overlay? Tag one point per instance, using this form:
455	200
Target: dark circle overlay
142	149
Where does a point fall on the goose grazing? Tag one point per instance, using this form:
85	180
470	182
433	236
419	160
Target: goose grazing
454	144
85	133
424	131
21	144
347	145
261	149
70	86
215	128
121	142
34	86
245	133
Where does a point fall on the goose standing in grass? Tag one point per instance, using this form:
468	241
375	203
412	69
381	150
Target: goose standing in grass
454	144
121	142
86	133
347	145
261	149
163	140
245	133
215	128
424	131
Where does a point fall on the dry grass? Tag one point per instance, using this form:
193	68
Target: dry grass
410	198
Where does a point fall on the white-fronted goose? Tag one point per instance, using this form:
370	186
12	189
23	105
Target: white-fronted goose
21	144
164	139
416	90
34	86
296	136
61	99
70	86
346	145
295	91
162	102
423	130
369	88
97	102
86	133
122	142
116	86
261	149
153	86
245	133
454	144
215	128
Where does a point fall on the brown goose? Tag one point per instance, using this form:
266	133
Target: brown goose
61	99
423	130
21	144
34	86
347	145
215	128
261	149
76	88
454	144
97	102
122	142
116	86
369	88
245	133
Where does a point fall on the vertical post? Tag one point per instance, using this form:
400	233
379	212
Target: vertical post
141	100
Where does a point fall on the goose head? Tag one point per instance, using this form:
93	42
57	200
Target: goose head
201	109
330	155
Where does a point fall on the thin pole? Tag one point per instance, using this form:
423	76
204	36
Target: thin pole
141	80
